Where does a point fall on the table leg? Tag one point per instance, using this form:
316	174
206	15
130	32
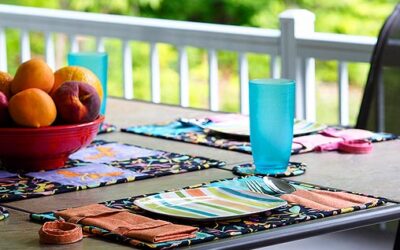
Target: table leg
397	239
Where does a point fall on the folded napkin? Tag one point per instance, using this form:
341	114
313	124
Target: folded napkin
326	200
127	224
329	139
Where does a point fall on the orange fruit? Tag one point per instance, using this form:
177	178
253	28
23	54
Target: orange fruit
5	82
78	74
34	73
32	108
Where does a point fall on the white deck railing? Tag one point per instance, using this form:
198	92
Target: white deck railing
295	44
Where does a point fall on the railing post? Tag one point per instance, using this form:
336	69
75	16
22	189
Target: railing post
3	50
343	94
127	69
183	76
244	83
309	93
50	51
25	46
154	73
274	67
73	43
213	80
294	24
100	44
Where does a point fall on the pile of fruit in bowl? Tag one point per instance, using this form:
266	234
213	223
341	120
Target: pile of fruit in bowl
46	116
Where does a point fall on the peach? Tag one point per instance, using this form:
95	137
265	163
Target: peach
77	102
4	115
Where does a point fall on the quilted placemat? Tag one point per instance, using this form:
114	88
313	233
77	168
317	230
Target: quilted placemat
184	132
283	216
106	127
100	164
3	213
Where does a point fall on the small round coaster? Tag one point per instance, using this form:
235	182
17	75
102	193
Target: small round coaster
106	128
3	213
294	168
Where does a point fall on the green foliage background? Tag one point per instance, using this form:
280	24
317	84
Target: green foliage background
358	17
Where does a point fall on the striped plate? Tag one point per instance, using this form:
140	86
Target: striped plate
240	127
209	203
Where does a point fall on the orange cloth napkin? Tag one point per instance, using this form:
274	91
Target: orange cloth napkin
127	224
326	200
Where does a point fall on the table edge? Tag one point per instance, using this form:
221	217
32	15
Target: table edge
307	229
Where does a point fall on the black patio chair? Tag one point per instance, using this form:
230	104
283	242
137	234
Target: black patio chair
380	107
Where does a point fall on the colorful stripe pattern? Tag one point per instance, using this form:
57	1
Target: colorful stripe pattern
209	203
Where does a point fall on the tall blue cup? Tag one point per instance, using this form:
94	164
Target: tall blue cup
271	123
97	62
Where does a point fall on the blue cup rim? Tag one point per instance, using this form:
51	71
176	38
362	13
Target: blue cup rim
94	54
272	81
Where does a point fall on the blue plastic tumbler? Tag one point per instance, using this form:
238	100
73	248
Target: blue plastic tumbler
271	123
97	62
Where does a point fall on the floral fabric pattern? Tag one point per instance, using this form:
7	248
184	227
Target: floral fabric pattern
86	175
183	132
283	216
110	152
101	164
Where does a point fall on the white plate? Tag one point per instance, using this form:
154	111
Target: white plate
241	128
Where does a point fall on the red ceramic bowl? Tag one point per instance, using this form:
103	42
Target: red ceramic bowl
46	148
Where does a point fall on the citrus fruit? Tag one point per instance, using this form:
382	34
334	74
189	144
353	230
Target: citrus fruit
34	73
5	82
32	108
79	74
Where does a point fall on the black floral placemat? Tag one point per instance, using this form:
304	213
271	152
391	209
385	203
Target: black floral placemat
184	132
100	164
208	231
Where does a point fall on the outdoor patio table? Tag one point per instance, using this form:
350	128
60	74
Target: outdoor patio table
377	174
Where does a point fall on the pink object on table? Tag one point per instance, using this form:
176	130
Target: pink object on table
347	134
311	142
356	147
326	200
346	140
